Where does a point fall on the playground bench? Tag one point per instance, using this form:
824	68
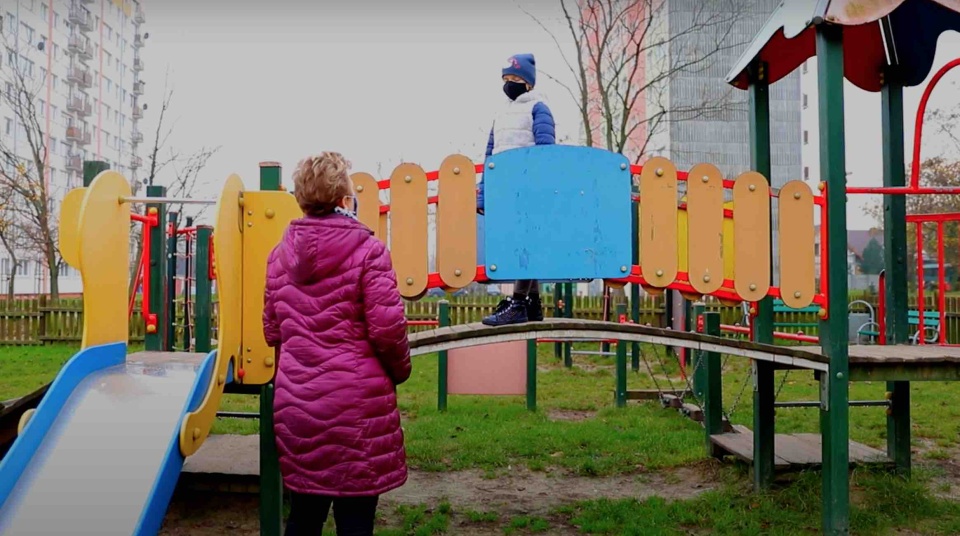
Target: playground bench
931	322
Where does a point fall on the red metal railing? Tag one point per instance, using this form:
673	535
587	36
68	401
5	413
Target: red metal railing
940	220
914	187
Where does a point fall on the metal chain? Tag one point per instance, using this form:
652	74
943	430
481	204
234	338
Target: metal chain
643	354
783	381
736	401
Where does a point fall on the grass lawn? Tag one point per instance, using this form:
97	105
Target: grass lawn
577	433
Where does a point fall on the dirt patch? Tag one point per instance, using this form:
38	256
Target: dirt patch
520	493
524	492
571	415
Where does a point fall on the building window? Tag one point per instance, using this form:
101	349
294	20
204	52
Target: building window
805	103
806	137
8	126
43	11
805	67
27	33
11	23
806	173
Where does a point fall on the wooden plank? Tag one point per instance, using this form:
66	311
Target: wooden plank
692	411
408	229
368	202
658	222
456	222
705	228
797	278
740	444
751	224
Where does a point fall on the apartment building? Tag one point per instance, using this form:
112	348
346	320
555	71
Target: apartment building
82	57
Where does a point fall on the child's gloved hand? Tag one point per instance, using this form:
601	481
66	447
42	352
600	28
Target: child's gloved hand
480	199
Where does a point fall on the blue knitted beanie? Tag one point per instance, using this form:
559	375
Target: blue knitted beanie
524	66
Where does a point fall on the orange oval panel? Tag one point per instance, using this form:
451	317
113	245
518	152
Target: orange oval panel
751	231
368	201
408	228
658	222
797	279
705	228
457	222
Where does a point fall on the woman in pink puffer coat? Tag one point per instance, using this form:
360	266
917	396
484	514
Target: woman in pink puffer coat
332	310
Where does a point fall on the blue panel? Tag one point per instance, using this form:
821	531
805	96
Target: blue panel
81	365
156	508
557	212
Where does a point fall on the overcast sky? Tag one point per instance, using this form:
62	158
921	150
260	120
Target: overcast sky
385	82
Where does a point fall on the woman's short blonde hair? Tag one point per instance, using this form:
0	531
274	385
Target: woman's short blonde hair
320	182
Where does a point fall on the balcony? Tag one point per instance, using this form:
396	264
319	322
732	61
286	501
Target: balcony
77	134
74	163
138	113
136	162
139	17
136	137
80	76
137	65
138	88
79	106
80	46
138	41
81	18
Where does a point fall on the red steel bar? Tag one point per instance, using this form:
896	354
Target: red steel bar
941	291
776	334
919	228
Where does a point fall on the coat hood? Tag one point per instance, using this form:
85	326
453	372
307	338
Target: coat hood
312	248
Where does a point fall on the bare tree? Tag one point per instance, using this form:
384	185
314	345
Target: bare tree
623	53
11	236
180	172
24	175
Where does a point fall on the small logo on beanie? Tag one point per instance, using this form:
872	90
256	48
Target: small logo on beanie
512	62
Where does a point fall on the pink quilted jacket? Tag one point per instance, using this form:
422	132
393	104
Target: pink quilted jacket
332	306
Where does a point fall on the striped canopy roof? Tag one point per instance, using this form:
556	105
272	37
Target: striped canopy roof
908	28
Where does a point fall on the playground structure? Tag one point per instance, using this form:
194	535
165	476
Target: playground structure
587	222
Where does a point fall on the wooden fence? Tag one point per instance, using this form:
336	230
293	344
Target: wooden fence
34	321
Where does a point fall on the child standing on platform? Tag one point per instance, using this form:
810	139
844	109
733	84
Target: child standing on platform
524	121
333	312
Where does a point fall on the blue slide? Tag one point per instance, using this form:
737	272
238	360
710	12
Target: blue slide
101	453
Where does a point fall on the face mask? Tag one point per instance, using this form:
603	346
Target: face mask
347	212
514	89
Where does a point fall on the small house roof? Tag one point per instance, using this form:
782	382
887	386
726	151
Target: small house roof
908	29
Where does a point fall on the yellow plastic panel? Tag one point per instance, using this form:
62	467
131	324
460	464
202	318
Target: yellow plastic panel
368	201
658	222
228	252
751	224
705	228
266	215
408	228
457	222
797	279
69	235
104	259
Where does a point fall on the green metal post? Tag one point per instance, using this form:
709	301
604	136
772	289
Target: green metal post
92	168
271	484
568	313
764	427
696	357
156	342
635	288
621	394
532	374
204	300
834	330
712	385
443	316
557	313
895	267
171	325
